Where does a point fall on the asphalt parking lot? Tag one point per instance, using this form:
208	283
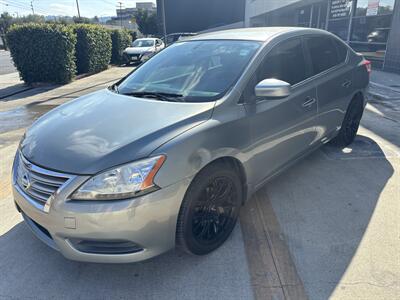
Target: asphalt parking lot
329	226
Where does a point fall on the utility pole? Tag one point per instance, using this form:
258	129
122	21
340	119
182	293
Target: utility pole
77	7
33	11
163	18
120	13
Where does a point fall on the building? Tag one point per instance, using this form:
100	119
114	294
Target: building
371	27
126	16
201	15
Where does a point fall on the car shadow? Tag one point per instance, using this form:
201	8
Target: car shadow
21	91
12	90
324	205
30	269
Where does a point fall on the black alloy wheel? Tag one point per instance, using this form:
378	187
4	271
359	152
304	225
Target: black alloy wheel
350	124
210	209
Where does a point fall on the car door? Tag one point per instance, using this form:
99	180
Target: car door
333	78
281	129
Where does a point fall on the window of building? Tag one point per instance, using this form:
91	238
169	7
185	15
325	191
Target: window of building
374	7
371	29
323	53
340	28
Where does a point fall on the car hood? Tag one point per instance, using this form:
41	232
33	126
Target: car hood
105	129
138	50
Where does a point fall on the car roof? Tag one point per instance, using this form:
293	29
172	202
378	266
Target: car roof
254	33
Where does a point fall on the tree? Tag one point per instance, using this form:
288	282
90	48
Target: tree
6	20
147	22
81	20
31	19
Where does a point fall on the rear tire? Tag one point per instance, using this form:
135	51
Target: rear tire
350	124
209	210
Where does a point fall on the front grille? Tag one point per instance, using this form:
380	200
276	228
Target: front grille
38	183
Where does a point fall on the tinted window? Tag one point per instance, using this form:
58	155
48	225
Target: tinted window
341	50
285	62
323	53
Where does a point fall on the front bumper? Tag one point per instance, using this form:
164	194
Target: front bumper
136	57
148	222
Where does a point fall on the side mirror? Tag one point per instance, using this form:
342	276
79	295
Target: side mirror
272	88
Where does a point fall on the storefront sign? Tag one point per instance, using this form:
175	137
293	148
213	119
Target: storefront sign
340	9
372	9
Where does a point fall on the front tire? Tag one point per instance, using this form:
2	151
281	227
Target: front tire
209	210
350	124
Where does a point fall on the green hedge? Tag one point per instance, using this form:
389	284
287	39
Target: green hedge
93	48
120	40
43	52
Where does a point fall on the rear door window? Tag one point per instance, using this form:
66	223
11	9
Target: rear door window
341	50
323	53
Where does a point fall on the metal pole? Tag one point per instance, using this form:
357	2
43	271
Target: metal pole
327	15
164	24
33	11
120	13
350	21
77	7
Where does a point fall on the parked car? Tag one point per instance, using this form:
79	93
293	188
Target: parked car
168	155
142	49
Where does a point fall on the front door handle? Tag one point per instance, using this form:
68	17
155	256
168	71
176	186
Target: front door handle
346	84
309	101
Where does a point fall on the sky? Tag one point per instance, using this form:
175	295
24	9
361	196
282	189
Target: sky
88	8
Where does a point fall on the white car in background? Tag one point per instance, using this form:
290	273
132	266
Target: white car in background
142	49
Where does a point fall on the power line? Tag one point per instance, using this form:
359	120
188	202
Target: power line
25	7
20	7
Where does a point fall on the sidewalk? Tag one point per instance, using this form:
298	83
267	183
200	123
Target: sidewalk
11	84
58	94
384	86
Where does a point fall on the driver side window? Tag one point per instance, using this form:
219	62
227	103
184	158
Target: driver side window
286	61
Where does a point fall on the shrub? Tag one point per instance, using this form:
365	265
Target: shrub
43	52
93	48
120	40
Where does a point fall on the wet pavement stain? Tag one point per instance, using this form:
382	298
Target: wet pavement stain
22	117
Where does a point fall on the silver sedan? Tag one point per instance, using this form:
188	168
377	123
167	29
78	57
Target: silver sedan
167	156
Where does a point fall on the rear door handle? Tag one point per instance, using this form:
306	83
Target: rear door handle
346	84
309	101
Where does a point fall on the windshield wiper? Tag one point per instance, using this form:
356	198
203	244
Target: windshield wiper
170	97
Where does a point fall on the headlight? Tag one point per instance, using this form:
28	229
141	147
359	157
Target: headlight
123	182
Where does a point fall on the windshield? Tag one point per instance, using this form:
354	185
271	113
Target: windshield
197	71
143	43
